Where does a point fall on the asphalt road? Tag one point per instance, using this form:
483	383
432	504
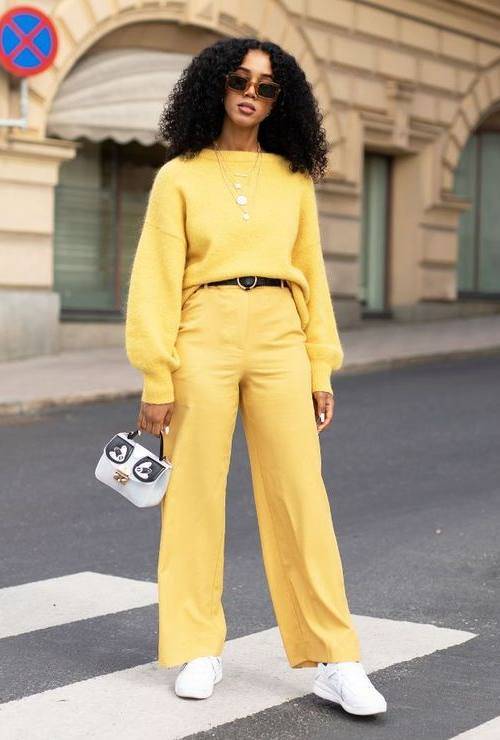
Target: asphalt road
412	465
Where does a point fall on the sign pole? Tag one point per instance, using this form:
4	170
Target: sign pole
28	46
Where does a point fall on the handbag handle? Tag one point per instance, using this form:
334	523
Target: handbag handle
138	432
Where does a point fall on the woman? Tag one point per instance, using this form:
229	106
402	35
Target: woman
229	308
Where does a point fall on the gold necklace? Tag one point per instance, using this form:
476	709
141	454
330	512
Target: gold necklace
240	174
241	199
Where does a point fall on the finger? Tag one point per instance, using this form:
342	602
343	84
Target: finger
322	406
332	407
148	427
320	409
147	417
326	412
329	412
157	429
168	416
141	420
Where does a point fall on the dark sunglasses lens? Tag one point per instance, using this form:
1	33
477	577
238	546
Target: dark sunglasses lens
268	91
237	82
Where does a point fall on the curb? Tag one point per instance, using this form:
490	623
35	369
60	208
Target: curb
354	368
32	407
78	399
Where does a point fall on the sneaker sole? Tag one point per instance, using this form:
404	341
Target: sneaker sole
199	696
330	695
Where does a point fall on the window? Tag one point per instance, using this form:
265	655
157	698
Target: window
476	178
100	202
373	268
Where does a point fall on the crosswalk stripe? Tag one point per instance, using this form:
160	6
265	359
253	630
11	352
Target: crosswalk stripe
42	604
488	731
140	701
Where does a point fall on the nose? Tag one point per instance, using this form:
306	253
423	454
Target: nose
251	87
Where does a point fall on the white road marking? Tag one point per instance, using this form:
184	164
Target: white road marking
489	731
140	702
36	606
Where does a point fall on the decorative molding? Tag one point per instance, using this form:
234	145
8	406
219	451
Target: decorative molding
481	99
82	23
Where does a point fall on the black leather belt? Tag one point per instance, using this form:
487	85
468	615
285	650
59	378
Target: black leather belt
248	281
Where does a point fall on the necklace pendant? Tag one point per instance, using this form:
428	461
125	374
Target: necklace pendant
246	215
242	200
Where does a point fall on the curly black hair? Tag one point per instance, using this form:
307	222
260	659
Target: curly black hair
194	112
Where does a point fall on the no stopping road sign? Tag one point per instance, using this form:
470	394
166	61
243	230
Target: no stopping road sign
28	41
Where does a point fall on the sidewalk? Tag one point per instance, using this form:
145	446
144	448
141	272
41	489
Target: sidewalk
73	377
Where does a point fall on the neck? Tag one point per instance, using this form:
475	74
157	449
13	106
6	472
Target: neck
225	148
239	141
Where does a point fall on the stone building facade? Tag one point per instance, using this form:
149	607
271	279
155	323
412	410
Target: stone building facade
410	206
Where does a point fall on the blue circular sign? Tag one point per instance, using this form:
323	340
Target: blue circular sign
28	41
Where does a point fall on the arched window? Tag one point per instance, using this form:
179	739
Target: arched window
477	179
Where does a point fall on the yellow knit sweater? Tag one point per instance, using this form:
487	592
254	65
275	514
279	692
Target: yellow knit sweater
193	232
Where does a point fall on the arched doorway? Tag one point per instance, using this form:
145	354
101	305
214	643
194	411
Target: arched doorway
110	105
476	178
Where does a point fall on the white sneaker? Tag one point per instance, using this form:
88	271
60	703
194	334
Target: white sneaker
198	677
347	684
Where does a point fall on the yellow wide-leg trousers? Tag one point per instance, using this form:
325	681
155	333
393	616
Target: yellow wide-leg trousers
245	349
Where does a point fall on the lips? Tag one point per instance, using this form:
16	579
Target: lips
246	106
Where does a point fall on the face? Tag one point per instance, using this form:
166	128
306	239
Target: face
256	65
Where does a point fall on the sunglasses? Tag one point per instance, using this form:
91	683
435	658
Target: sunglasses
241	83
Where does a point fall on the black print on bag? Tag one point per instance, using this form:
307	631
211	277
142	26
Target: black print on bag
118	450
147	469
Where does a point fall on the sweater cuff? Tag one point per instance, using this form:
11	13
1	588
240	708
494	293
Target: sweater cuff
320	376
158	388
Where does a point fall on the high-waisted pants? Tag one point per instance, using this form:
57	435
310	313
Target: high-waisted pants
245	349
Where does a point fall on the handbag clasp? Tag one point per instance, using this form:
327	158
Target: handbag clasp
120	476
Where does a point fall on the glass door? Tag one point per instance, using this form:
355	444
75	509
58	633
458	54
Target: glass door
476	179
373	272
100	203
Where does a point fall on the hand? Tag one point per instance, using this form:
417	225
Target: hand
323	404
153	417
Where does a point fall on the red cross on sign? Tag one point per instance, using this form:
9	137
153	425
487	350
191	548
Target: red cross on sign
28	41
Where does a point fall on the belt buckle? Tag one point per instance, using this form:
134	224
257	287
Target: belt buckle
247	287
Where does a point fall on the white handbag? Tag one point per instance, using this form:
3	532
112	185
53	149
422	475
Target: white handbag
134	471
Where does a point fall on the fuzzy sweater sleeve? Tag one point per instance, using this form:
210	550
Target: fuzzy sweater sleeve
155	289
322	339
